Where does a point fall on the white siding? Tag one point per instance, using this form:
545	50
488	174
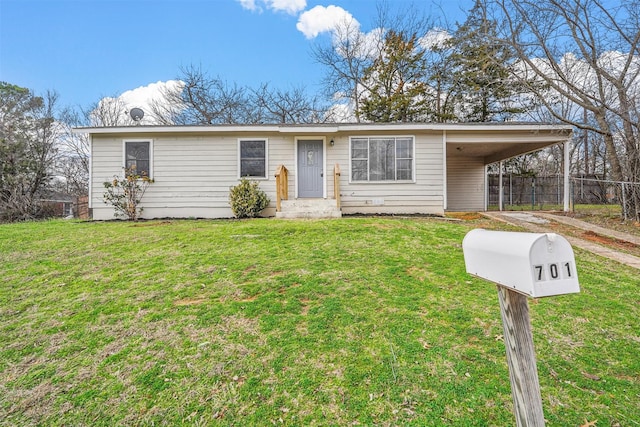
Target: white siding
465	184
424	196
193	173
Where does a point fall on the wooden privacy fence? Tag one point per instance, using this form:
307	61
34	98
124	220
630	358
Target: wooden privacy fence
82	207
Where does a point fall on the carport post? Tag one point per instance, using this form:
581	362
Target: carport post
521	358
567	165
500	189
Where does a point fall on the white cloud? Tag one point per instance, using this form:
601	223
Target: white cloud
435	38
372	42
322	19
341	113
114	111
291	7
144	96
248	4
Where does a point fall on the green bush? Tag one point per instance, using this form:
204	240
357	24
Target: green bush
125	193
247	199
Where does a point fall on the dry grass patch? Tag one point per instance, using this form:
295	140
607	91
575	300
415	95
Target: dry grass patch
189	301
464	216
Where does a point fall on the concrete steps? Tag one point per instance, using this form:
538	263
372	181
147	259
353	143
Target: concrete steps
309	208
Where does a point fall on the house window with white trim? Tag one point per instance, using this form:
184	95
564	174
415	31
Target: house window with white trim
382	159
137	156
252	155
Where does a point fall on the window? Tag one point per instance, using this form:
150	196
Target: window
253	158
137	154
382	159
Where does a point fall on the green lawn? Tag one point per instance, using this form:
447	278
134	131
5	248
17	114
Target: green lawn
358	321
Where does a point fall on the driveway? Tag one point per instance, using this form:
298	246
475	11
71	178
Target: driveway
541	222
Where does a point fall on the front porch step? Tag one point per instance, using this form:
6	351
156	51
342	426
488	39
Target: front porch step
309	208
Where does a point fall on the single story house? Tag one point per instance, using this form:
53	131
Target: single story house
354	168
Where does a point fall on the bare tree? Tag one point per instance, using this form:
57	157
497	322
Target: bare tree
203	99
74	153
108	111
588	52
168	107
27	150
72	162
408	20
286	106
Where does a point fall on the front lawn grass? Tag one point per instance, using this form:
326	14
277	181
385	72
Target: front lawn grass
359	321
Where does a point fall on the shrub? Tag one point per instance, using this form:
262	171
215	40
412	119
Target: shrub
125	194
247	199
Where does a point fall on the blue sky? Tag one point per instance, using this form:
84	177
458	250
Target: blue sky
88	49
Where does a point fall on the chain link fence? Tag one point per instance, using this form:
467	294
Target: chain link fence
546	192
526	192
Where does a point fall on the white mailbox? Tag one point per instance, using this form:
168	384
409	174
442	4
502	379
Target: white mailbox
534	264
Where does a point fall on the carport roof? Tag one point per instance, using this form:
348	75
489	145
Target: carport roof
493	145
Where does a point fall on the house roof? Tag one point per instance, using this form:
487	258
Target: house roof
324	127
491	141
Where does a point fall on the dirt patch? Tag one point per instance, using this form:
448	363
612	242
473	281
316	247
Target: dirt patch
34	403
189	301
464	216
608	241
249	269
305	306
418	273
611	221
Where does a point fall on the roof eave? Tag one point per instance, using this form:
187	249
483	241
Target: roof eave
327	128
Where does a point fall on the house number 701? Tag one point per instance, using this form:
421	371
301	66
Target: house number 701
554	271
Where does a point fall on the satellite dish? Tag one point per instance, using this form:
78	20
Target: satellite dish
136	114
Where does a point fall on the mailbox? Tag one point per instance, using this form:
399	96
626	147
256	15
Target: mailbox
534	264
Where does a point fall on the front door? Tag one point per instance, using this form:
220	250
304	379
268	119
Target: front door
310	173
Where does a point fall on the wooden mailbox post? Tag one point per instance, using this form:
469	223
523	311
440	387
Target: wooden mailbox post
522	264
